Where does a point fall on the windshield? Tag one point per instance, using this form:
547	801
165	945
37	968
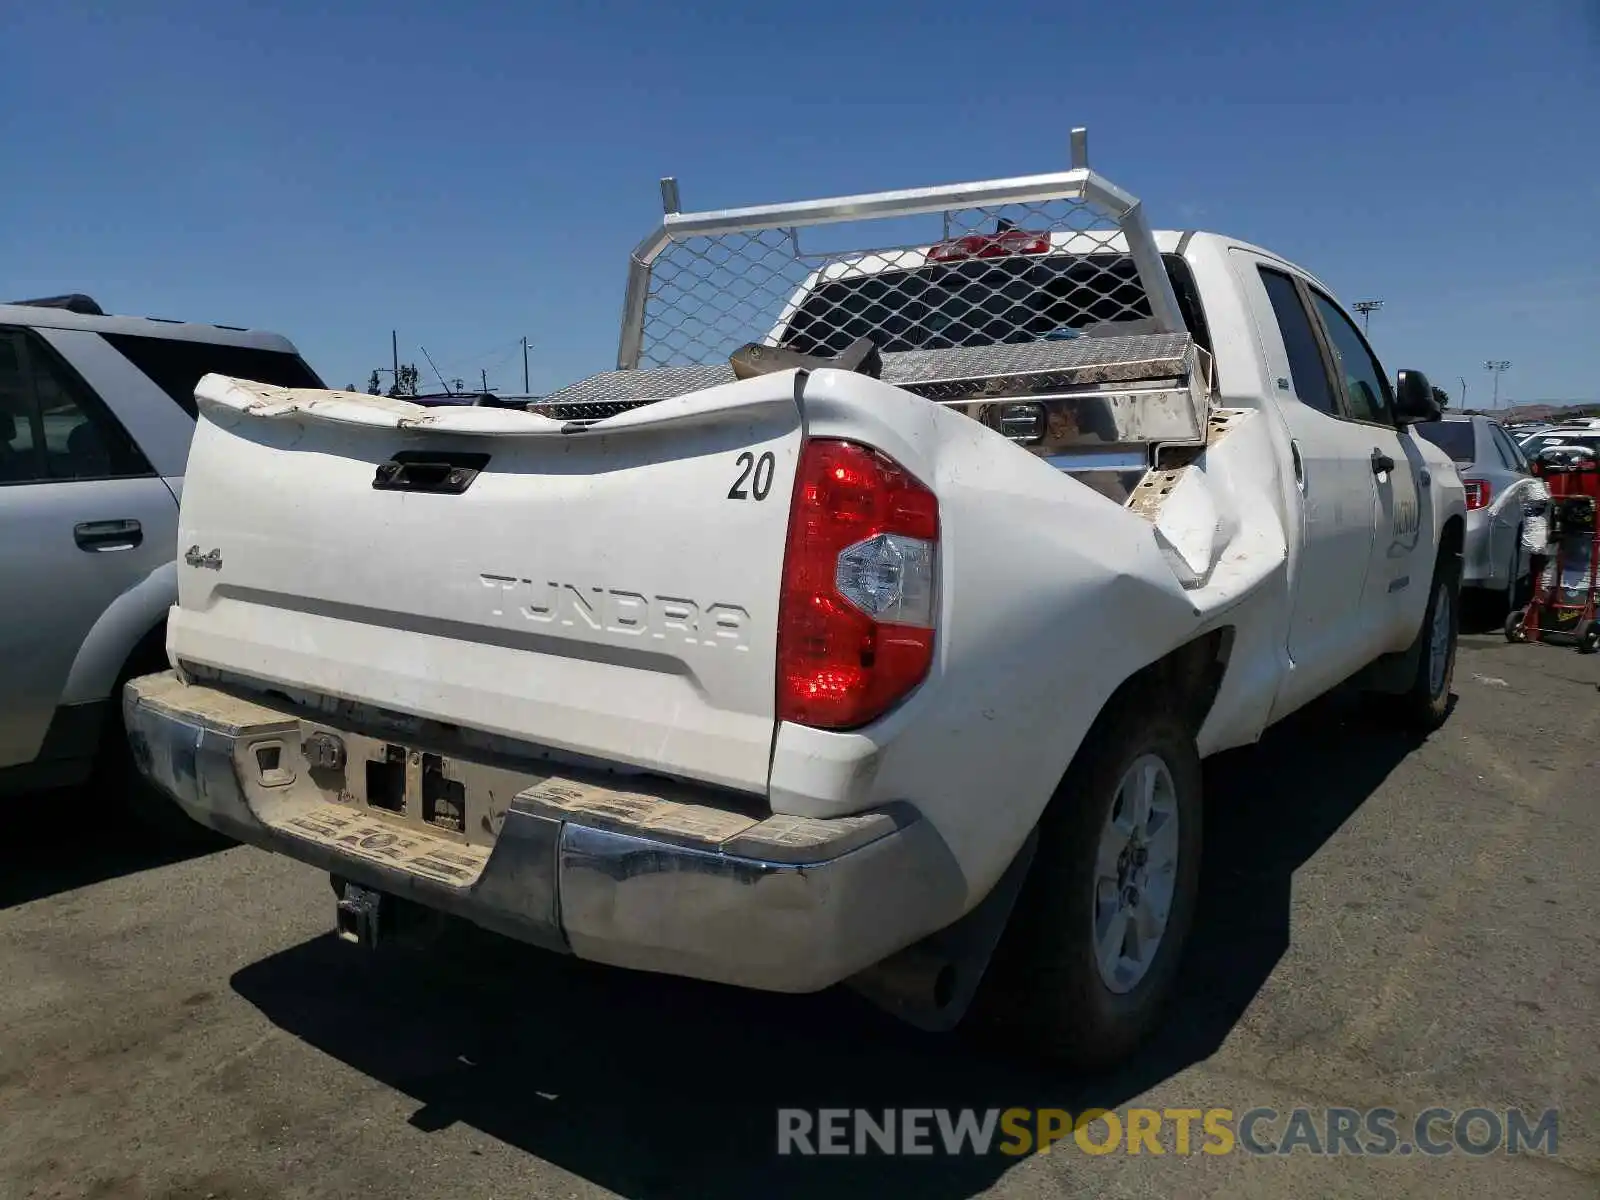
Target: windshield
1455	438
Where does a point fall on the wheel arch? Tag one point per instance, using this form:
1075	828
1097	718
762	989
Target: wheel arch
1188	677
132	629
1453	537
932	983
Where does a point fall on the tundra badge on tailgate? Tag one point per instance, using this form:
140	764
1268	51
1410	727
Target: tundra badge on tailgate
618	612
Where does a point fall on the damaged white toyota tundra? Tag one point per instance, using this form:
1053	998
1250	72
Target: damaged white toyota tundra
868	624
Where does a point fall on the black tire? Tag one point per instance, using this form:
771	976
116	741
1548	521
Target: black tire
1508	598
1521	589
1044	990
1587	634
1515	631
1425	704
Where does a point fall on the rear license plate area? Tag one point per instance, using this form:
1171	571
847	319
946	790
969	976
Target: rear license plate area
422	789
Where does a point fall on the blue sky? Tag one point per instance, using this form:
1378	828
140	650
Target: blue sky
473	172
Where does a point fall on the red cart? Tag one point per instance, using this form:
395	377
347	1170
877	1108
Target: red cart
1565	583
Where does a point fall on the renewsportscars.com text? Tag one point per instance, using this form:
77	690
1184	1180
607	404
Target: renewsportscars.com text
1180	1131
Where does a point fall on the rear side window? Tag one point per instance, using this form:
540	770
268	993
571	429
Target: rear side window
1455	438
175	367
19	457
1306	371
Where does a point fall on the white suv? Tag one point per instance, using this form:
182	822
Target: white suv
96	414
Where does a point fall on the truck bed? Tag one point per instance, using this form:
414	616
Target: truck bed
1089	376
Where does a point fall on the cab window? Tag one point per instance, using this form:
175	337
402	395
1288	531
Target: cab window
1306	372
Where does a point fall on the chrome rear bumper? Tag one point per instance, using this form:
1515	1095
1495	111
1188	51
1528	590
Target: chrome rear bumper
675	882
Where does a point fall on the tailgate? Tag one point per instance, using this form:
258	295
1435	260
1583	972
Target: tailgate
610	590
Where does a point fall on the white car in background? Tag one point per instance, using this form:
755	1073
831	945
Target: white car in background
96	416
1572	434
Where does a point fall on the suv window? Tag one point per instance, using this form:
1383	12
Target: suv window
1307	374
175	367
52	427
1366	389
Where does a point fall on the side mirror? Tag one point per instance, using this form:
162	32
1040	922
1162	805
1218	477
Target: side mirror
1414	399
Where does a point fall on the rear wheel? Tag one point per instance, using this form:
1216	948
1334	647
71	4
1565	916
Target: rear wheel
1092	950
1516	623
1588	636
1426	702
1512	596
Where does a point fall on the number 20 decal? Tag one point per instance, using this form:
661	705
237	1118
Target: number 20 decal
757	472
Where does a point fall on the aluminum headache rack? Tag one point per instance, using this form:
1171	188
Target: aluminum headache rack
1040	305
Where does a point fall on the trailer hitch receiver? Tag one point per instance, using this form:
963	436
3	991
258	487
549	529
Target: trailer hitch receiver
362	915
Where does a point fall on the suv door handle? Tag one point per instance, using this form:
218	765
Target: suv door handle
100	536
1381	462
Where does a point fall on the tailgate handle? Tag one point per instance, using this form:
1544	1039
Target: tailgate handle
444	472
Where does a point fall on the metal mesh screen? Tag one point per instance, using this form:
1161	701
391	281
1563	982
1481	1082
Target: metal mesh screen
965	278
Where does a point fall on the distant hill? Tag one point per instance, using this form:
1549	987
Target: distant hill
1540	410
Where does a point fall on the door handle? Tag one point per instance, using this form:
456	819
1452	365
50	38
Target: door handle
100	536
1381	462
1299	466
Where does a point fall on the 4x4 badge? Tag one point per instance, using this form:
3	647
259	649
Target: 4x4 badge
194	558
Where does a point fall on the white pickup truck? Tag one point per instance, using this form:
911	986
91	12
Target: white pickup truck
784	658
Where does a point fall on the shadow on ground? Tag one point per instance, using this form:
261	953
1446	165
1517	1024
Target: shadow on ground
62	840
1483	613
651	1086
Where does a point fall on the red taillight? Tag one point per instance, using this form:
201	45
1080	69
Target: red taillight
991	245
856	613
1477	493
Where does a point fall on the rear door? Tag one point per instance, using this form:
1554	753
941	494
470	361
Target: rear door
83	517
1400	571
1332	475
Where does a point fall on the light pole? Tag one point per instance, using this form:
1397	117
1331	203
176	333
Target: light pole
1496	367
524	366
1462	380
1366	308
